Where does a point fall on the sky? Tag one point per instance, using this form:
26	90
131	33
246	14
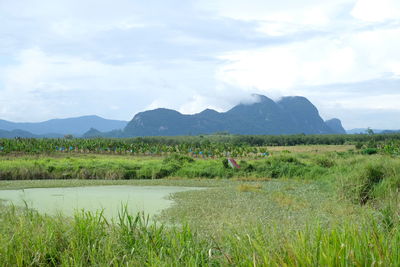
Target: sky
69	58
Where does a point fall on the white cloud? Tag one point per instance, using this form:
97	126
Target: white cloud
306	12
46	83
373	10
352	58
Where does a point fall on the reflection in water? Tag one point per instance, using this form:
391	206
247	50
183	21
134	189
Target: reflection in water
110	199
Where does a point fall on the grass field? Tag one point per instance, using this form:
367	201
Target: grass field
302	206
292	161
312	148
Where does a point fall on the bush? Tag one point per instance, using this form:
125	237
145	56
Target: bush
369	151
246	167
361	184
178	158
281	166
225	163
359	145
130	174
325	162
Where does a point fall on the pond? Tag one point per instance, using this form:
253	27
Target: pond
110	199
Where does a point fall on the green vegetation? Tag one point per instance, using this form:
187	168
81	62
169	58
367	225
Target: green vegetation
122	167
28	238
198	146
296	206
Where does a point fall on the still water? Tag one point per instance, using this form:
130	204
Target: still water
67	200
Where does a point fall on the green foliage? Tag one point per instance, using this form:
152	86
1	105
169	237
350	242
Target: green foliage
369	151
370	181
182	159
359	145
69	136
361	184
391	148
27	238
207	146
325	162
225	163
246	166
369	131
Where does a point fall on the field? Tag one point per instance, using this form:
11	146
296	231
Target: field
304	205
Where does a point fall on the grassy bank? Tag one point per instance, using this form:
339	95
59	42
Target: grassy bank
281	164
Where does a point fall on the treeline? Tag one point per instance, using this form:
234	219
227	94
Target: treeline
270	140
198	146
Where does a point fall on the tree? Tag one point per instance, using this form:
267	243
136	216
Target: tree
68	136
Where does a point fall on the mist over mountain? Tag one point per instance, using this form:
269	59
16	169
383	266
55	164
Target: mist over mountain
263	116
289	115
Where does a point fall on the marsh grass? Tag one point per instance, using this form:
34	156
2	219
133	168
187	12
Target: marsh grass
28	238
249	188
114	167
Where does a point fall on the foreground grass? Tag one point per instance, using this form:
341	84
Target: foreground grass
27	238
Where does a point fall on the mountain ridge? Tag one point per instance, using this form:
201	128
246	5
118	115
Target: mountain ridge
263	116
76	126
289	115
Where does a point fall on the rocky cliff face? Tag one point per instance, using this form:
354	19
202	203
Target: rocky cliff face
336	126
290	115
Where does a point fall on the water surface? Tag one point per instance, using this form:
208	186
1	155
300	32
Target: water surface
67	200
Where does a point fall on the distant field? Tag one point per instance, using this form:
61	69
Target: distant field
312	148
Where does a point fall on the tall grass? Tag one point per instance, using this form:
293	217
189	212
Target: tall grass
30	239
127	168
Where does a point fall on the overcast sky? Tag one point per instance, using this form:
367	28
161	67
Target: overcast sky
64	58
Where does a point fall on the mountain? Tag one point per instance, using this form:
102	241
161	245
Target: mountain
93	133
336	126
364	131
75	126
289	115
25	134
305	116
390	131
16	133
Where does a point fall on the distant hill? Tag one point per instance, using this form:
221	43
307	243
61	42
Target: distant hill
60	127
390	131
92	133
336	126
363	131
16	133
376	131
290	115
25	134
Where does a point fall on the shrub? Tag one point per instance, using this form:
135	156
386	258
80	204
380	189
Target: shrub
325	162
178	158
360	185
225	163
130	174
359	145
369	151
